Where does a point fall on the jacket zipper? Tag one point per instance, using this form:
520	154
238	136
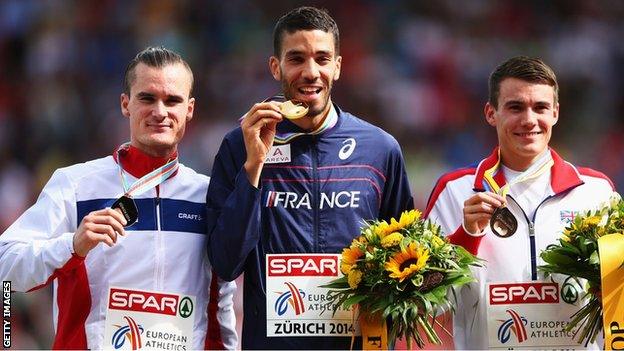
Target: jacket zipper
316	191
159	269
531	223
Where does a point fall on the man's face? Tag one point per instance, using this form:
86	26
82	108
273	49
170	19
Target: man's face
524	118
159	106
307	68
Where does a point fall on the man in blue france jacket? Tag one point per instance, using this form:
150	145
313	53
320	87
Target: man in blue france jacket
299	186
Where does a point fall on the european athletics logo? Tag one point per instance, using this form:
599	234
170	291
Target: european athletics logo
132	331
292	296
516	324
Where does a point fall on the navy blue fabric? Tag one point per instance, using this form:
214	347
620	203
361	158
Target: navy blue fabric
183	216
176	215
314	204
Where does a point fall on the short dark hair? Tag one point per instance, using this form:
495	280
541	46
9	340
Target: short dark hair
304	18
154	56
525	68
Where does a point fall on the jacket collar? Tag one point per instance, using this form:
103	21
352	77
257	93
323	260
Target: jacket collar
137	162
563	176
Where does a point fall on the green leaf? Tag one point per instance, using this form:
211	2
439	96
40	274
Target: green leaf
353	300
594	258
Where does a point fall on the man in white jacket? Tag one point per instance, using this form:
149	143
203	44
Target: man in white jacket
508	208
122	238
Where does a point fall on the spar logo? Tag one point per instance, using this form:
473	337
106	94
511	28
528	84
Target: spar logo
293	297
132	332
570	290
150	302
515	324
302	265
523	293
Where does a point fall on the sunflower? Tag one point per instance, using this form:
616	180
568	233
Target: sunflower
408	261
383	228
409	217
349	257
392	240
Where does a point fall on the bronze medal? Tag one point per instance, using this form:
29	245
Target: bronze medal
128	209
503	222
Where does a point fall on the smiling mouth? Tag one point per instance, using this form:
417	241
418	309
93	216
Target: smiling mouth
309	90
528	134
159	126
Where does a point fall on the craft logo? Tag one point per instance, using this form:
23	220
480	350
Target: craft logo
515	324
303	266
150	302
293	297
567	216
190	216
132	331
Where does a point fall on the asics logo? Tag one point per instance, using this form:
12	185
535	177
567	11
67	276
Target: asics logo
347	149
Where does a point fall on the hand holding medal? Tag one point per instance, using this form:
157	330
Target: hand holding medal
503	223
125	204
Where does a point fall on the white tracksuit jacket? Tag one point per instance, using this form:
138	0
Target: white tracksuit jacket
514	259
164	251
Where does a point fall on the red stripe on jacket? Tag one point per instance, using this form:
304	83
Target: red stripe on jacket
74	304
214	341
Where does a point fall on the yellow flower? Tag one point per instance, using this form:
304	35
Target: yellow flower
392	240
354	278
408	217
408	261
349	256
567	235
382	229
591	221
436	241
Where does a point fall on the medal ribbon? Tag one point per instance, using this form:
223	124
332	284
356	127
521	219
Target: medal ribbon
148	181
330	122
536	169
610	248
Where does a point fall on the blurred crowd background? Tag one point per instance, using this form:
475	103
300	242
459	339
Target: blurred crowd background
418	69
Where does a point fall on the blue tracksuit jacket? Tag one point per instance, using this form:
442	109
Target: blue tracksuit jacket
316	203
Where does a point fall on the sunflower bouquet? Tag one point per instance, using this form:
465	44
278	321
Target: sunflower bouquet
577	255
401	272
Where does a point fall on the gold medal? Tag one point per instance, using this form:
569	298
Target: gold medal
293	109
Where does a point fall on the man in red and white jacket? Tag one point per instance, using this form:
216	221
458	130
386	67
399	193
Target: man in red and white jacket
512	304
140	276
